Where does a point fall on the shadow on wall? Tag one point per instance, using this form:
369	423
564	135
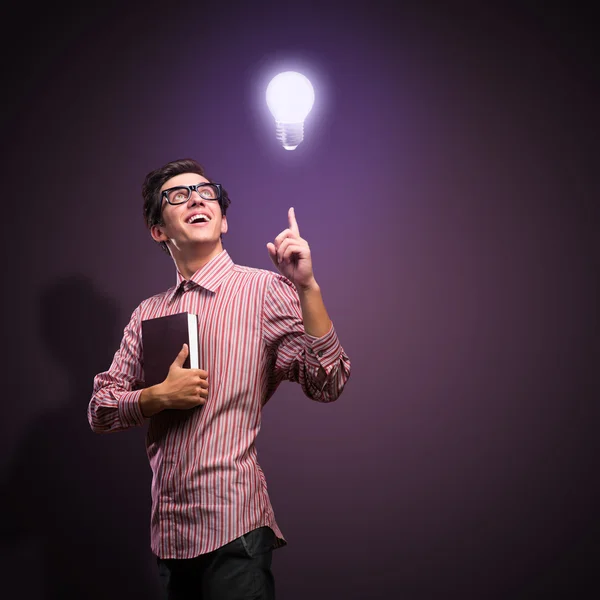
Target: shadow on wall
75	505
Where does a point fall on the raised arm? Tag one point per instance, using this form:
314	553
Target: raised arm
297	325
291	256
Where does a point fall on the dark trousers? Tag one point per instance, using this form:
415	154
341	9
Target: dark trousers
240	570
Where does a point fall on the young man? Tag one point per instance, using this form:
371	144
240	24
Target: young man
212	525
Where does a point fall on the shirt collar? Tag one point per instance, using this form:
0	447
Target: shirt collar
209	277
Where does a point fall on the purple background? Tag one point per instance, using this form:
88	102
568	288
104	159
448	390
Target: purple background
448	187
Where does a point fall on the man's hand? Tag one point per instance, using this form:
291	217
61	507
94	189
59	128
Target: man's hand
291	255
182	389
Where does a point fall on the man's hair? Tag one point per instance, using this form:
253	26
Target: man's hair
153	202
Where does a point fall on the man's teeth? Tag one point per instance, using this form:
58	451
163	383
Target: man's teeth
197	218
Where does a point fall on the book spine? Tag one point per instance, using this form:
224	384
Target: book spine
193	337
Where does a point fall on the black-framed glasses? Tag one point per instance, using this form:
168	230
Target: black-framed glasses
182	193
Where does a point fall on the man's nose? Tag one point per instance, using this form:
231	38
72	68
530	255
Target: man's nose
195	198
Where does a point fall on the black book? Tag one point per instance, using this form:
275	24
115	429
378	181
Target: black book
162	339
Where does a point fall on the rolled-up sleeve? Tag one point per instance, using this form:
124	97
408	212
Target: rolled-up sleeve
318	364
114	405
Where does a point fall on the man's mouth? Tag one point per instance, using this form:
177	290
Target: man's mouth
198	218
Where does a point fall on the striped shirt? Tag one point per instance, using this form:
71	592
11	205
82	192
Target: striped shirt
207	485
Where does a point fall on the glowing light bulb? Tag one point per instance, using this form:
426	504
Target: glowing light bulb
290	97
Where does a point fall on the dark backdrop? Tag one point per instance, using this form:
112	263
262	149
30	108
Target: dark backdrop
448	187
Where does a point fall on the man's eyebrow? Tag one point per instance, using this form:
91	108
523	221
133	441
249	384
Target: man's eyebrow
181	185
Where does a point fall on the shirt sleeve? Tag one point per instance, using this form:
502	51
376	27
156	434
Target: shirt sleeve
318	364
114	405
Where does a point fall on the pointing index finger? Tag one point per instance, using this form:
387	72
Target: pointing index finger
293	224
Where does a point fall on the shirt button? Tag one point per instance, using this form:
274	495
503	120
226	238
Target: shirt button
310	351
320	353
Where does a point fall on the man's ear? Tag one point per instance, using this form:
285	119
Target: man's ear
158	235
224	225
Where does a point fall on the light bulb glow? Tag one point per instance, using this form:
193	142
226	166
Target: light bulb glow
290	97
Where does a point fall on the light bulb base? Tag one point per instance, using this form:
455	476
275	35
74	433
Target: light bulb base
290	134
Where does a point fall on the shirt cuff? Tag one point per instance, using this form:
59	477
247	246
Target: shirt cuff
130	412
323	351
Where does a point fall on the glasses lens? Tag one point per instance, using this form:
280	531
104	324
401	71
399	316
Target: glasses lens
208	192
178	195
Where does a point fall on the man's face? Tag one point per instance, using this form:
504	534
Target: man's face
197	221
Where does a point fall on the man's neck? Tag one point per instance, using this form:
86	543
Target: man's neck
187	263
